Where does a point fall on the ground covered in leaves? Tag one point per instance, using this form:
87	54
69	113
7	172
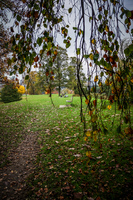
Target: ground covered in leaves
43	154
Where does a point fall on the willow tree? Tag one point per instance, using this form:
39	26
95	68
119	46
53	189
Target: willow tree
97	41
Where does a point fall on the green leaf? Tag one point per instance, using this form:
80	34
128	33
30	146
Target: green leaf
69	38
132	32
26	77
131	47
15	67
21	70
70	10
6	45
68	44
127	52
100	28
101	74
126	21
86	56
105	130
95	57
27	59
106	12
39	41
9	61
119	129
18	18
99	17
75	28
128	13
49	45
36	6
78	51
65	41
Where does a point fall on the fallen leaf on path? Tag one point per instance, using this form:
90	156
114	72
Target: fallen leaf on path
78	195
77	155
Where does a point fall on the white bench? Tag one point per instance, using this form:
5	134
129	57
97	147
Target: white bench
70	101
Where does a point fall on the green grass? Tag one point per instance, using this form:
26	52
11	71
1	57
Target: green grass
62	169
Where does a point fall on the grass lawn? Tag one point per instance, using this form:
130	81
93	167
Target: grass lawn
63	171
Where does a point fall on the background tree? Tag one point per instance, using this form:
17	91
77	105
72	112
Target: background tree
54	76
72	75
32	83
60	69
10	93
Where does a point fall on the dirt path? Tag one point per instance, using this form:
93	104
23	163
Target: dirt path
12	177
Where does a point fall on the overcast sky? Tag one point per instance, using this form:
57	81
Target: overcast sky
71	50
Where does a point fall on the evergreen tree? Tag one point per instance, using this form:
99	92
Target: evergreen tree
9	93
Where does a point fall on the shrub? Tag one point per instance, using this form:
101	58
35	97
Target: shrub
21	89
9	94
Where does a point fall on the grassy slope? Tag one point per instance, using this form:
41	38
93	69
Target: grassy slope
62	168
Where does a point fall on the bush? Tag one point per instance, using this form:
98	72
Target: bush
21	89
9	94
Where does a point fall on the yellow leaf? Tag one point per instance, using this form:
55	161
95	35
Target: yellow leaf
109	107
96	79
88	154
107	81
85	138
107	28
132	80
94	118
88	133
100	84
41	51
93	41
95	132
91	56
115	98
95	138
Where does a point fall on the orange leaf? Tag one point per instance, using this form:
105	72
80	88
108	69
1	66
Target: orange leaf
36	14
111	59
48	91
98	198
111	97
36	58
47	73
48	53
52	78
109	107
87	101
90	112
55	52
95	103
88	154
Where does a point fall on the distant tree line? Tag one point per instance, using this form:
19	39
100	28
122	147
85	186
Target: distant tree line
62	75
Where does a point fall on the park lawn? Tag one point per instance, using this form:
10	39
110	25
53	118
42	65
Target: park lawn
63	171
